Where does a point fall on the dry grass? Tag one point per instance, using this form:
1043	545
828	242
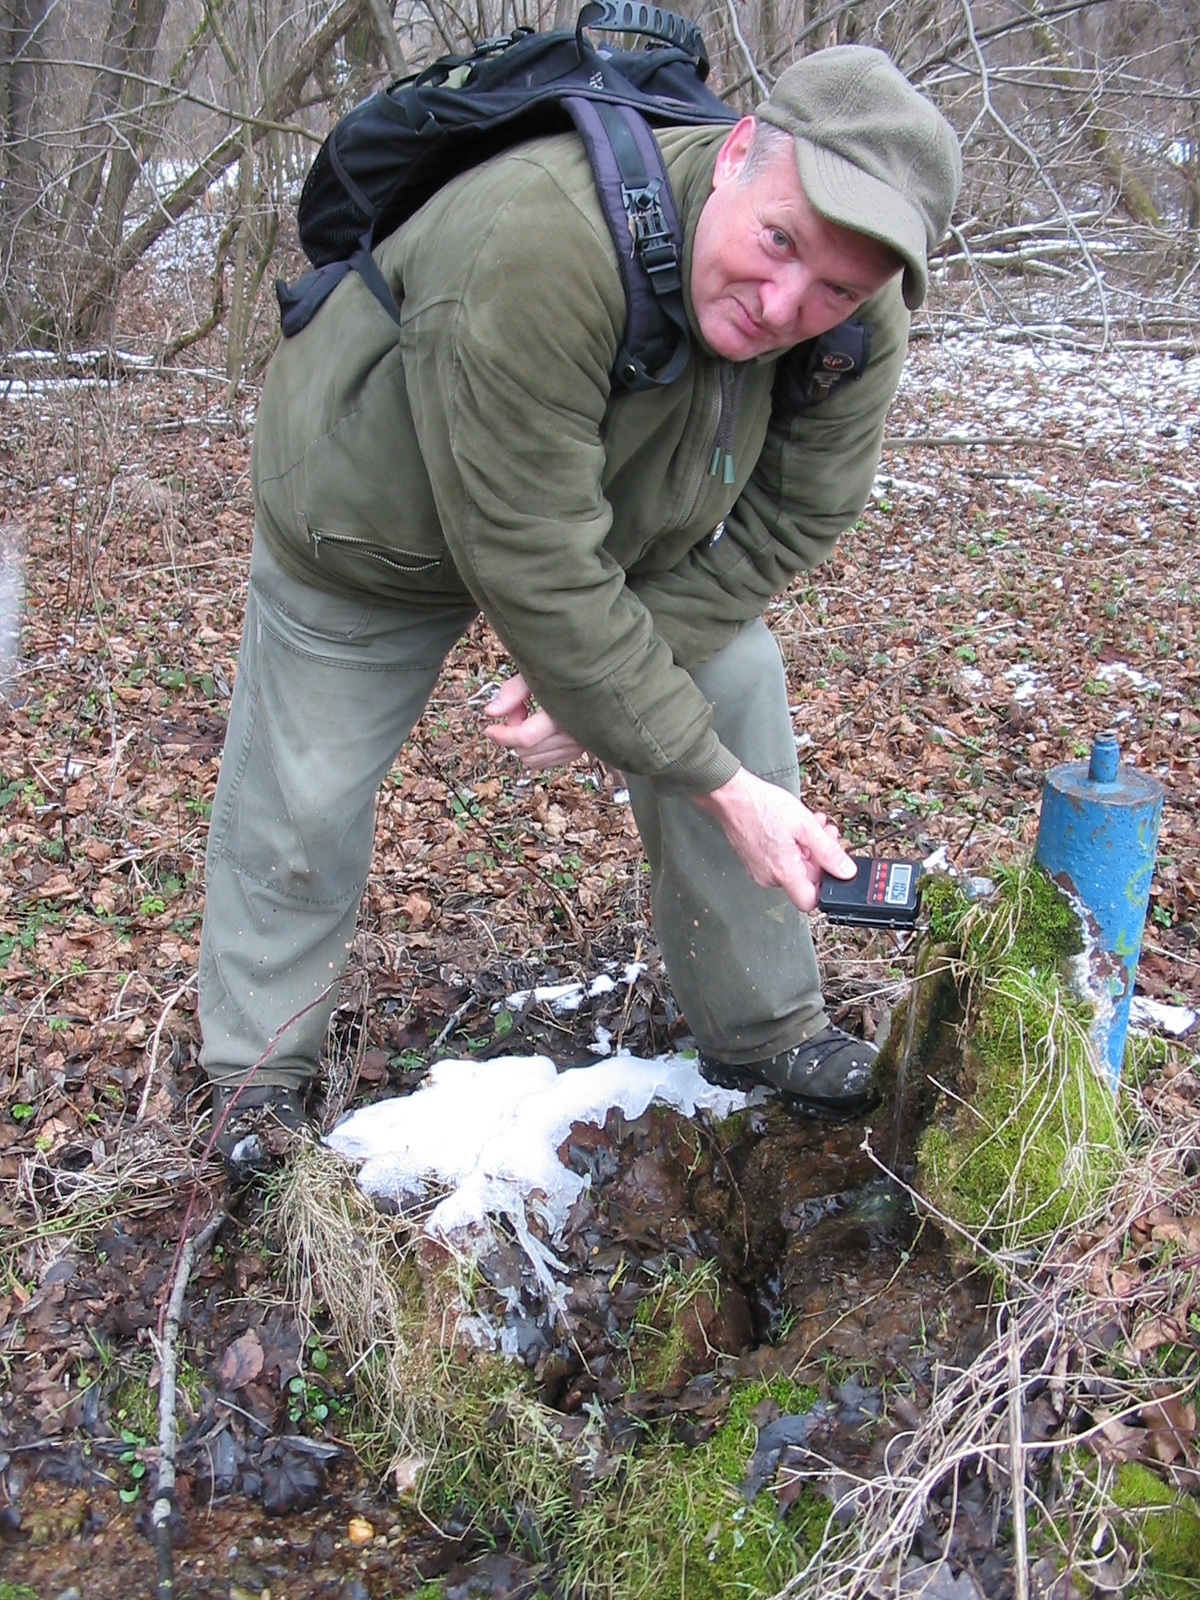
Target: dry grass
1127	1402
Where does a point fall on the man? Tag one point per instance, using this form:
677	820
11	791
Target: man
623	546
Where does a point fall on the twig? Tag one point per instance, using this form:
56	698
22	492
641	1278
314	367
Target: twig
947	441
1017	1462
468	1004
157	1035
626	1008
755	74
168	1433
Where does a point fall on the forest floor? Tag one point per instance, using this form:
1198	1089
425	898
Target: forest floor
1026	575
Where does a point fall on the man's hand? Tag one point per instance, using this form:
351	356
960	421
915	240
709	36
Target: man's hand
781	843
534	736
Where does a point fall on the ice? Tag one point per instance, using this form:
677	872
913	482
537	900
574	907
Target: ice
489	1132
567	997
1155	1017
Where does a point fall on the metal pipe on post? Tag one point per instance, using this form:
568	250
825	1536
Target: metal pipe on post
1097	839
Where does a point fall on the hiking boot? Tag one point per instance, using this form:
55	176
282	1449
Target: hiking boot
828	1075
261	1128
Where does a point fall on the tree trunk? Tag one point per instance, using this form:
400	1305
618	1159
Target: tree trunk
280	100
23	165
135	55
385	31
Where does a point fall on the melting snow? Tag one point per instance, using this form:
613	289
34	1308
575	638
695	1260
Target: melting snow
1156	1017
1112	670
567	997
1024	681
489	1132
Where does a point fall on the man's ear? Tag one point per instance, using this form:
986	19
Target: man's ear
731	157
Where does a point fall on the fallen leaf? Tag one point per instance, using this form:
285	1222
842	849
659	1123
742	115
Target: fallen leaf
242	1361
374	1066
1156	1331
416	909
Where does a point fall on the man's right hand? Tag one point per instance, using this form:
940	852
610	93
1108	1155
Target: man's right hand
781	843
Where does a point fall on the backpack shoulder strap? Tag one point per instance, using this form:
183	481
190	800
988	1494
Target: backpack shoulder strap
639	208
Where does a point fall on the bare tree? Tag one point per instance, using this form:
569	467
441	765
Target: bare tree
1078	116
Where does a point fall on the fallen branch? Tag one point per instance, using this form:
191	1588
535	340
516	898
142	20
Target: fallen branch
468	1004
168	1432
950	441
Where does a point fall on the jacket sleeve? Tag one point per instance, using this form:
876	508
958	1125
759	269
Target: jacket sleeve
509	386
811	481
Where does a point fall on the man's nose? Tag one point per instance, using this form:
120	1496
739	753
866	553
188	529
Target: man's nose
783	295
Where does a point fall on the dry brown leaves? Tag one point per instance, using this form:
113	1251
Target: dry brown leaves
994	609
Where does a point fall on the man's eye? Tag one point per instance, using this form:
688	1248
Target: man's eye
780	239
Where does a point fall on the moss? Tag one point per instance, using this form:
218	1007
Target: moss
668	1341
1029	923
944	903
16	1591
724	1546
1165	1528
663	1517
1029	1138
1145	1054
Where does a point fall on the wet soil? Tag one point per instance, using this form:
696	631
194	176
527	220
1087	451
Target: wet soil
702	1253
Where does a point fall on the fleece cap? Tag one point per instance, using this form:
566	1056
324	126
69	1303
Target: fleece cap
873	153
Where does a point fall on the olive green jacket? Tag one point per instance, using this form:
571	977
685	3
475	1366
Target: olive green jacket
480	453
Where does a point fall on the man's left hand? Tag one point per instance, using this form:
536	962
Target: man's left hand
533	736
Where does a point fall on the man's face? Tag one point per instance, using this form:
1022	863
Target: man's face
767	270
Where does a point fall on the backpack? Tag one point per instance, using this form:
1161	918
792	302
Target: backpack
388	155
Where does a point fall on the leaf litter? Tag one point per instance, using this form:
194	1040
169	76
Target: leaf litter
998	605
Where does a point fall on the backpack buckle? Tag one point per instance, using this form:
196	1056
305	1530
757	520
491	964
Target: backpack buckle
653	242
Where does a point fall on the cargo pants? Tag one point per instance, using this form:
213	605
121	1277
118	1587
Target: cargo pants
327	691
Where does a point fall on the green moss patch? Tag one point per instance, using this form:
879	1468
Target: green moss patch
1163	1527
1028	1137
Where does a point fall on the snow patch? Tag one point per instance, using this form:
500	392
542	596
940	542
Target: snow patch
1024	682
489	1132
1155	1017
1112	670
567	997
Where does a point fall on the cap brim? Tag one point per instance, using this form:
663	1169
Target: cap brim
844	193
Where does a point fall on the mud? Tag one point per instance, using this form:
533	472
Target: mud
701	1254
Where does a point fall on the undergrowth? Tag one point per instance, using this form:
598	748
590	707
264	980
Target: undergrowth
1031	1159
619	1523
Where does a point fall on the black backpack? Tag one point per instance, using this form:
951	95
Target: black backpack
385	158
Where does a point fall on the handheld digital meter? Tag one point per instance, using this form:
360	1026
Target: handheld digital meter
882	894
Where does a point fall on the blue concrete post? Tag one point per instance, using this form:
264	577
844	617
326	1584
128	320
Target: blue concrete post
1096	838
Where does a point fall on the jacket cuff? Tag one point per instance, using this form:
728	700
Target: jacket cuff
702	770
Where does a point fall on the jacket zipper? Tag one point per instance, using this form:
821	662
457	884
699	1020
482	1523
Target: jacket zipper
732	379
711	431
361	547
